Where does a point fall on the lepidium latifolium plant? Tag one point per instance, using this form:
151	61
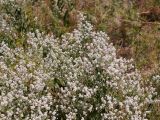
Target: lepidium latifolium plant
74	77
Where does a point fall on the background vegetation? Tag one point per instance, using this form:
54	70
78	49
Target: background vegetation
133	26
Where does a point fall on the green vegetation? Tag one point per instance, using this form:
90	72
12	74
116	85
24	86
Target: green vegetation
132	25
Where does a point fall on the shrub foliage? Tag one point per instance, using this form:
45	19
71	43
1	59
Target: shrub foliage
73	77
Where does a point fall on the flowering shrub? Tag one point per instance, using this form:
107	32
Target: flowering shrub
156	83
73	77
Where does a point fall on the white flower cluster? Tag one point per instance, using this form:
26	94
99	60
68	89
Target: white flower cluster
73	77
156	78
4	26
